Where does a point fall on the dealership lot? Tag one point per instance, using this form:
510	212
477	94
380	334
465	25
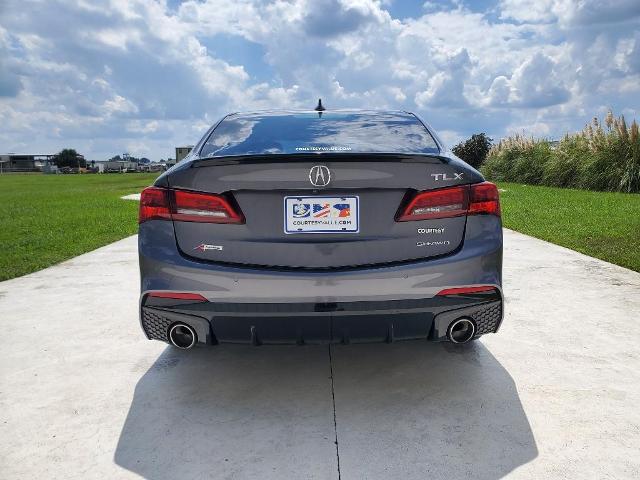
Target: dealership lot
552	395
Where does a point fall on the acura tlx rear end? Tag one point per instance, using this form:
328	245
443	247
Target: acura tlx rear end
320	227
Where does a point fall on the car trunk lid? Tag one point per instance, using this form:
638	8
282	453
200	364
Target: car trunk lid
275	193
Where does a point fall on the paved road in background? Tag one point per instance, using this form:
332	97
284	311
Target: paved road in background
554	395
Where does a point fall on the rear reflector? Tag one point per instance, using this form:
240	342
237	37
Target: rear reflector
481	198
185	206
460	290
178	296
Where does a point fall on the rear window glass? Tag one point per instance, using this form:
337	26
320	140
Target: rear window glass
336	132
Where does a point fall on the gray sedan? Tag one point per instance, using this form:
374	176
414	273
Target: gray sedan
317	227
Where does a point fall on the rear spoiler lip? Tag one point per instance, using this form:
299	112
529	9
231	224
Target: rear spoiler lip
320	157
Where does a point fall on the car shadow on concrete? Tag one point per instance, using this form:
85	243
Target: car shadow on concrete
408	410
416	411
232	411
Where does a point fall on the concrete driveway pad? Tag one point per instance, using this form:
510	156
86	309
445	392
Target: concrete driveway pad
553	395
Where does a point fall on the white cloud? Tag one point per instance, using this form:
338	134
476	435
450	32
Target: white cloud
570	12
446	88
534	84
527	11
549	65
119	105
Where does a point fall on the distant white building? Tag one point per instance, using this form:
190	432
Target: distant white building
12	162
99	164
120	166
182	152
152	167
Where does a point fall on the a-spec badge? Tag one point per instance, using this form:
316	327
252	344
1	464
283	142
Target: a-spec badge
319	176
203	247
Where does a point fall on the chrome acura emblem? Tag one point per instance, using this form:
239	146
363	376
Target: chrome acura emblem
319	176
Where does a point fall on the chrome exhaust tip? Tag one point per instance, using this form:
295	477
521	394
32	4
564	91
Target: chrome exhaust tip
461	330
182	336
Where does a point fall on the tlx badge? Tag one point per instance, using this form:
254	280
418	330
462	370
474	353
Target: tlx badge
443	176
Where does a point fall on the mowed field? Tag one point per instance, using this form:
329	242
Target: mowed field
45	219
604	225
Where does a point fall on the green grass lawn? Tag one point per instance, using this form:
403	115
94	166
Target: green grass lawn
45	219
600	224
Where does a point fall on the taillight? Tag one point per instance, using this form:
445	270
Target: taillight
154	205
444	203
484	199
481	198
203	207
185	206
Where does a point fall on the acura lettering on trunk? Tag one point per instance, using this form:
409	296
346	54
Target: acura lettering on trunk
320	227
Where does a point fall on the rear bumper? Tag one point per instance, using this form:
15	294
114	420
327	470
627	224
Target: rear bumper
313	323
385	303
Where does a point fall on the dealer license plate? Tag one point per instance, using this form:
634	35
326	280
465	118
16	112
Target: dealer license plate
321	215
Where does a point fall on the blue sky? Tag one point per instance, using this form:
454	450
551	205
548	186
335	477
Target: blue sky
144	76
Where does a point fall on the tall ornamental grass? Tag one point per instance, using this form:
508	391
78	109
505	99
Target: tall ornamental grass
603	156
